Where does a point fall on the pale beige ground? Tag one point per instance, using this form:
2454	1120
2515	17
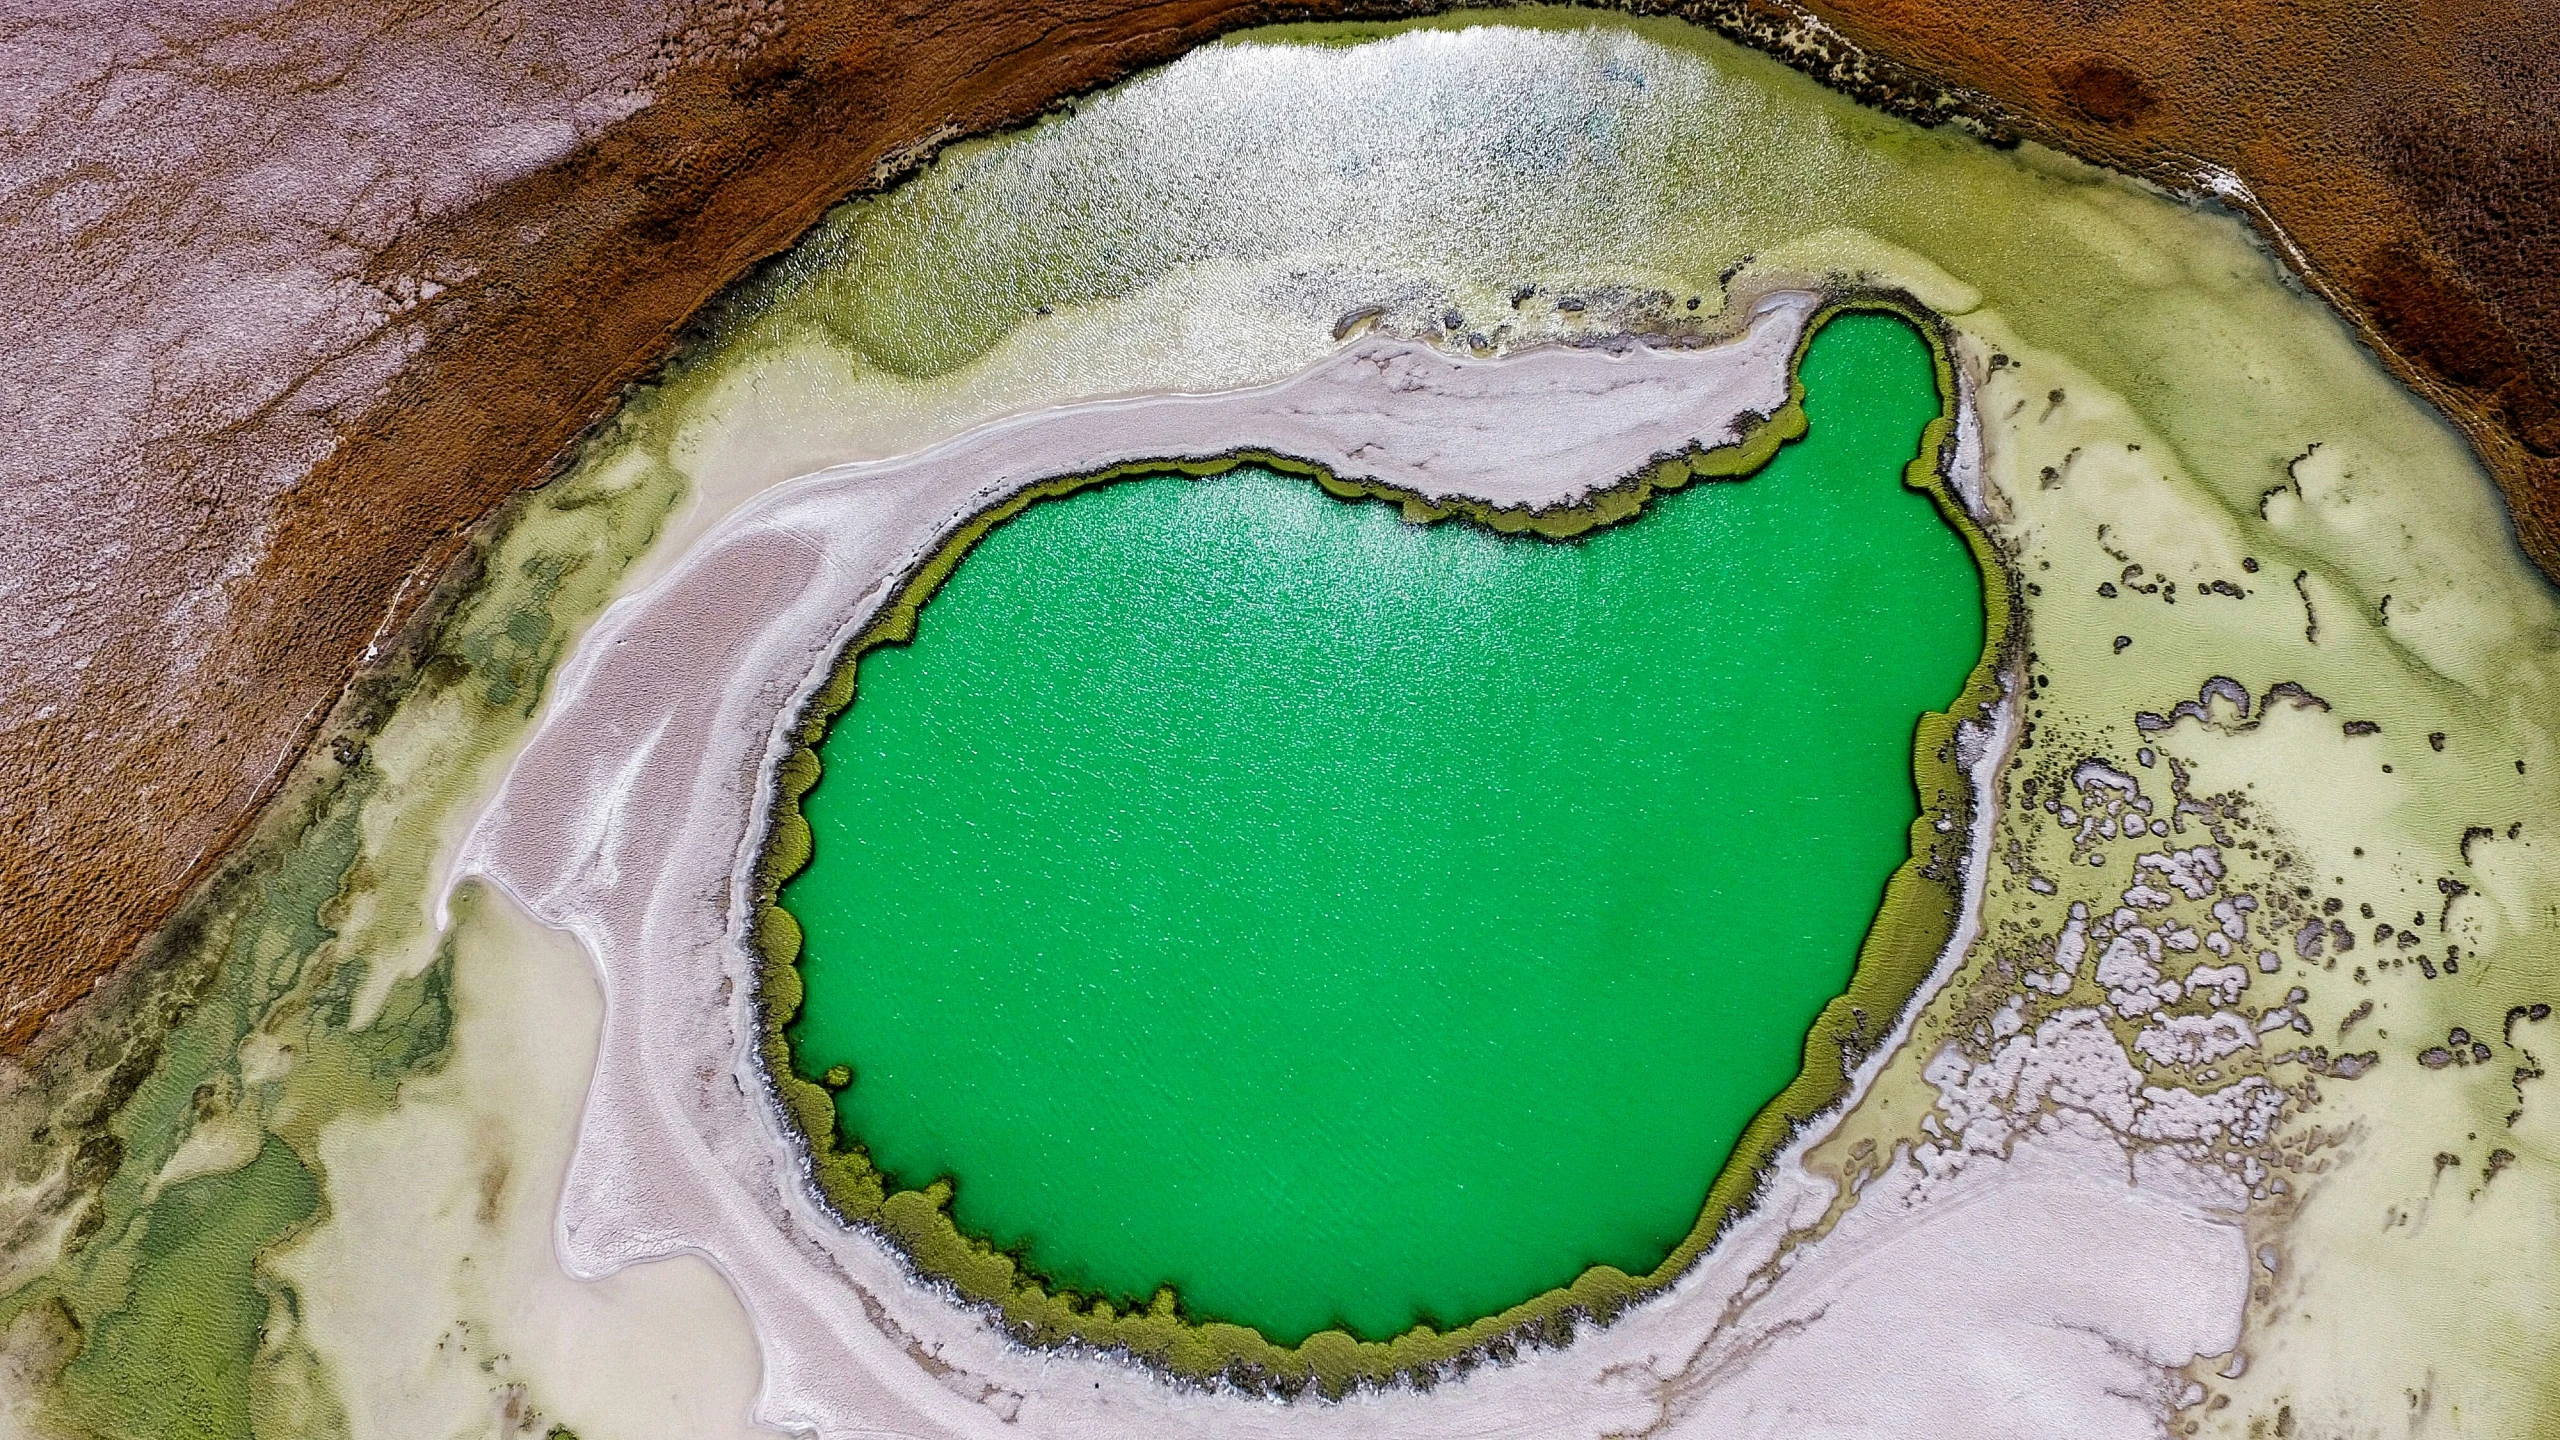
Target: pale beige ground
641	790
442	1252
2200	358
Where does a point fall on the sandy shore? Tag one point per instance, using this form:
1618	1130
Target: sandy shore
634	818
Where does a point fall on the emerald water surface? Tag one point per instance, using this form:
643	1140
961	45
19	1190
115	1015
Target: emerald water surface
1351	922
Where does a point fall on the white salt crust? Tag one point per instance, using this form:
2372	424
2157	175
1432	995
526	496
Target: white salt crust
1964	1295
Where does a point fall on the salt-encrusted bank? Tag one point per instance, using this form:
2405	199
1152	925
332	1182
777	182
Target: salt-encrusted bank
648	786
636	815
2195	472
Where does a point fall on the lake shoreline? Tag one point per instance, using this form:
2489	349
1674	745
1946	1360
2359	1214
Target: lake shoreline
774	562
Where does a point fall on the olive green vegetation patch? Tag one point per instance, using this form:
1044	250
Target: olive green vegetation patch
1914	924
168	1361
174	1330
157	1319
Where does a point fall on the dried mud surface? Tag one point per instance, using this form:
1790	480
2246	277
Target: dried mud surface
298	293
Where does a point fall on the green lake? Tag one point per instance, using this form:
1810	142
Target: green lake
1352	922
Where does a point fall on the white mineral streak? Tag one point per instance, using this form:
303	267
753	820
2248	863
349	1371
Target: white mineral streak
2069	948
633	818
2195	873
2071	1070
2130	970
2197	1039
2224	981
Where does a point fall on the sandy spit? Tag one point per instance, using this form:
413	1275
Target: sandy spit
634	817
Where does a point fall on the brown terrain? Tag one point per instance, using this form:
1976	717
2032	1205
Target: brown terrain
2404	156
298	292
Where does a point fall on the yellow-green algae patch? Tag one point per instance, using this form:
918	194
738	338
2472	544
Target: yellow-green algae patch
1901	946
2161	325
167	1135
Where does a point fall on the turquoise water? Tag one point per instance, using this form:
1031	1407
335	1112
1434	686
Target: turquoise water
1351	922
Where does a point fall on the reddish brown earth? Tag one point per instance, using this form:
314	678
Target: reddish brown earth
2408	149
297	293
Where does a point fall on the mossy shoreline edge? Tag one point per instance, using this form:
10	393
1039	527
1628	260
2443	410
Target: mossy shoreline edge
1913	924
